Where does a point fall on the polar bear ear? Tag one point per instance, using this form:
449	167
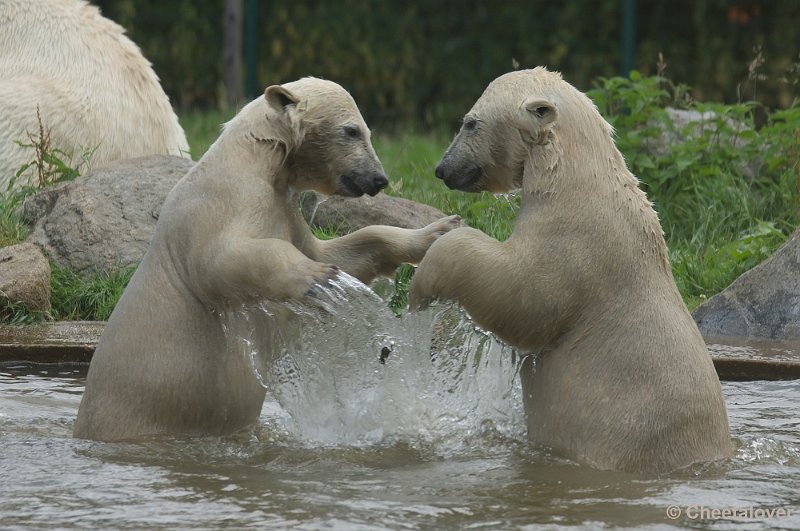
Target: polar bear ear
540	116
288	129
279	97
542	111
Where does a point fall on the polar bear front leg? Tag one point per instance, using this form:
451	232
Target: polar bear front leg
496	283
450	269
378	250
247	269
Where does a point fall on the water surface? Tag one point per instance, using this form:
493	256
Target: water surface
347	442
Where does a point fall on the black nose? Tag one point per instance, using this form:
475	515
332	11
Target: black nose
381	182
440	171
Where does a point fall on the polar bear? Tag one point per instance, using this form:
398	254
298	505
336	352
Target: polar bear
92	87
622	378
231	233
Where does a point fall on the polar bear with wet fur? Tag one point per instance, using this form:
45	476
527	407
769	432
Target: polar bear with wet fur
622	379
94	90
230	233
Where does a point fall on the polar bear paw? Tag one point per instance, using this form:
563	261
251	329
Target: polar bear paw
316	275
423	238
440	227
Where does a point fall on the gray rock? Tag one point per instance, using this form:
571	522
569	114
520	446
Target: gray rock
25	276
680	130
346	215
103	220
690	124
762	303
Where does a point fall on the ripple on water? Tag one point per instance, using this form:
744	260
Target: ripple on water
764	415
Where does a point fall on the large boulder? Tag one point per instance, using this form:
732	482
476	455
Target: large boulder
345	215
762	303
25	277
687	124
103	220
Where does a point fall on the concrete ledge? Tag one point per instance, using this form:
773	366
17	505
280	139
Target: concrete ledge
56	342
742	359
734	370
735	359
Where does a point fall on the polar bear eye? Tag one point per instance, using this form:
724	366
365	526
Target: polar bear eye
352	131
470	123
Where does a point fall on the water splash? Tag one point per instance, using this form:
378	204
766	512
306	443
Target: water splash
345	371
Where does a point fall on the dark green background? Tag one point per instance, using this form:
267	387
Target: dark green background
424	62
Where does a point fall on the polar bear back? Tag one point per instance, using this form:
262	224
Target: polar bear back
93	88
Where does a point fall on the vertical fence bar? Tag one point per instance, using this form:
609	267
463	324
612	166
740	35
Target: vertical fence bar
252	90
628	36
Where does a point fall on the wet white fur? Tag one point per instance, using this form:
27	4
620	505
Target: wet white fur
623	379
230	233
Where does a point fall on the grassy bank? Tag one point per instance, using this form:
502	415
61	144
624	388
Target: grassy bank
727	196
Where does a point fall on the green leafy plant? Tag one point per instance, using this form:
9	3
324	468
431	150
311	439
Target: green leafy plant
49	167
726	191
48	161
402	281
72	296
701	271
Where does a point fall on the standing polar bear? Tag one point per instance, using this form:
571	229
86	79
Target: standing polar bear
230	233
623	379
94	90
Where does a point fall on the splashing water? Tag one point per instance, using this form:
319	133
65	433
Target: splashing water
346	371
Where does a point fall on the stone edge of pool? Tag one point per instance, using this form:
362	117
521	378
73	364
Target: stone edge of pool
71	342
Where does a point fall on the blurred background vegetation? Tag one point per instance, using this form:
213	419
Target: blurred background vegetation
424	62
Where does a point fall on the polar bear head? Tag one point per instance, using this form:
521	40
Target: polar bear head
328	142
515	114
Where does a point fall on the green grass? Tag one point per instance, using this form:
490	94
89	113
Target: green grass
202	127
410	161
719	219
74	297
89	297
12	230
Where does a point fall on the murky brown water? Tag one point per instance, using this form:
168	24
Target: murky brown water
396	446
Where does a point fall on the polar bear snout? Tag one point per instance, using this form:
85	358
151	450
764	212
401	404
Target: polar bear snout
358	184
466	178
439	171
